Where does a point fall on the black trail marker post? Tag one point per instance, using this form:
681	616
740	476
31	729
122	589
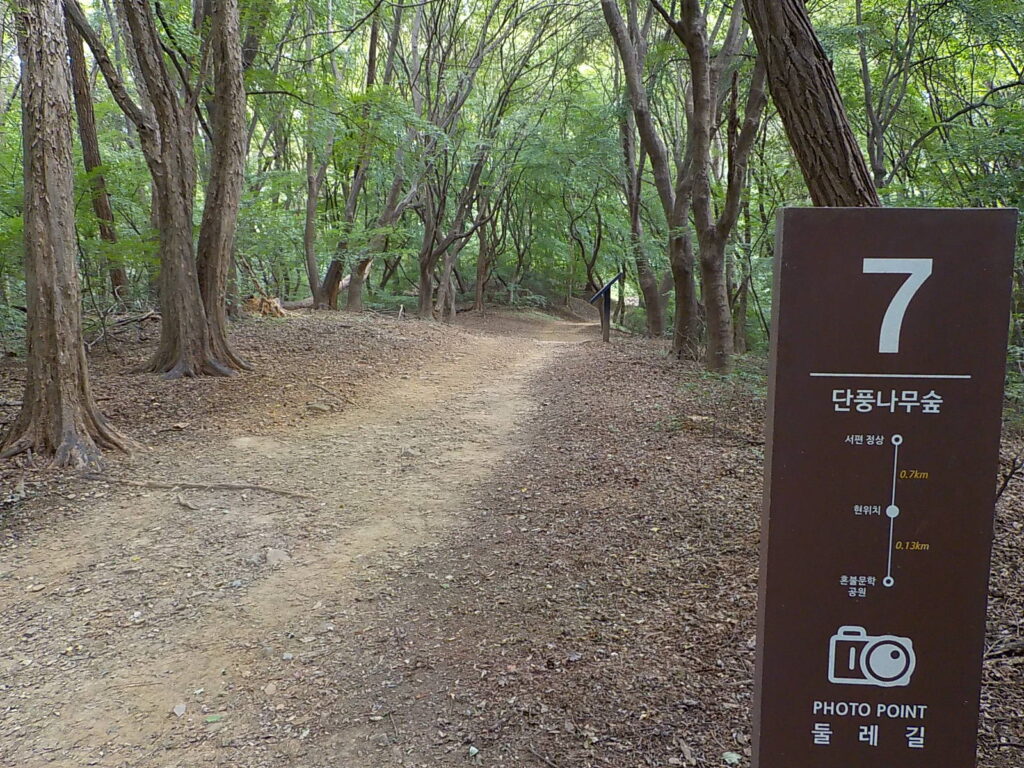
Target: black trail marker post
606	306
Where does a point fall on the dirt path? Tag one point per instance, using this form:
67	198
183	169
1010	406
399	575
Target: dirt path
519	552
166	628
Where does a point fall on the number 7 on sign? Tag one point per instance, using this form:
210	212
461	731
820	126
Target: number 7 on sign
892	323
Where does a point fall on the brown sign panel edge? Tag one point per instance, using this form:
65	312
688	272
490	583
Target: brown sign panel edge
880	226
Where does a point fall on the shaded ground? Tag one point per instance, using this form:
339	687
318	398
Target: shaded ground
520	548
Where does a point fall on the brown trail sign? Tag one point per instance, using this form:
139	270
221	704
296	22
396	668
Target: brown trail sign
888	354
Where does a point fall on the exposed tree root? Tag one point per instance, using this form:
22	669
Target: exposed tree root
196	486
541	757
224	351
194	353
185	368
334	395
72	444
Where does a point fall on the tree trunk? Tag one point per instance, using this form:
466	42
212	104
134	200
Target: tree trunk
716	306
645	275
390	268
483	266
426	291
633	185
361	272
332	282
184	349
427	258
448	310
357	281
674	197
875	130
446	288
91	157
648	283
315	177
224	190
703	110
233	305
805	92
58	416
167	137
314	180
739	317
335	281
685	326
620	305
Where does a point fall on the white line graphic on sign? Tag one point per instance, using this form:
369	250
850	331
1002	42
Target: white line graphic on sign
827	375
892	511
857	658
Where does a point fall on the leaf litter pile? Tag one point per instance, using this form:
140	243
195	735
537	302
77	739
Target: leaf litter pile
304	367
600	609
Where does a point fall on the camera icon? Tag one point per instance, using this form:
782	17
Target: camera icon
857	658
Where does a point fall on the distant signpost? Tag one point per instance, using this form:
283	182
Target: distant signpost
605	308
888	353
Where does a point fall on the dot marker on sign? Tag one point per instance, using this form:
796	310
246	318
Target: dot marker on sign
888	581
892	511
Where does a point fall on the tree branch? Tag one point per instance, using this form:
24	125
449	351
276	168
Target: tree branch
945	123
114	83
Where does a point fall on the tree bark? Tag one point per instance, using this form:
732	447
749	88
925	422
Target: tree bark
332	280
166	133
805	92
361	272
314	180
335	281
356	282
453	241
674	197
427	257
185	348
227	167
686	322
59	416
315	176
483	260
91	157
702	120
620	304
632	186
703	109
426	292
739	315
390	268
446	287
714	233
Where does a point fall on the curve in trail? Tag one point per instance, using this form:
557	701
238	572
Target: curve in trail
153	600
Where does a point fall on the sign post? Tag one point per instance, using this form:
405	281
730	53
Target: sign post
888	355
606	305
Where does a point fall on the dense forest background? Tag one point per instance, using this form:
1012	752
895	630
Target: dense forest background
444	154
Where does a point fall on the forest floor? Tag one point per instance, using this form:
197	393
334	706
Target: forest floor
498	544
